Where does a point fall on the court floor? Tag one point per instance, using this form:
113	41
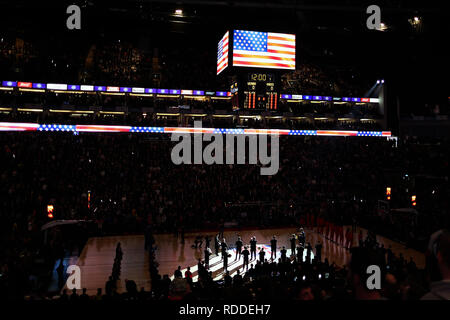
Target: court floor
97	257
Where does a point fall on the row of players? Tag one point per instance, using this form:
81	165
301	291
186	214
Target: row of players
241	250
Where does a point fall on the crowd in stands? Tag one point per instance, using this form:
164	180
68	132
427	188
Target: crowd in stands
16	53
123	63
119	62
309	78
190	68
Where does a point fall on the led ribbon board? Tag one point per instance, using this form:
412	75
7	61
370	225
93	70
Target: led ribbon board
113	89
13	126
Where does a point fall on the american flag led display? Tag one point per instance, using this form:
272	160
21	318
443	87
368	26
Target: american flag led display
263	49
222	53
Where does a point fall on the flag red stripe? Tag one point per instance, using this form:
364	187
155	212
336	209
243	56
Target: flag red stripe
281	45
240	55
281	38
336	133
221	60
265	64
280	51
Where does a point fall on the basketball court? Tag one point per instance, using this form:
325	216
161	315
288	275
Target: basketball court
97	257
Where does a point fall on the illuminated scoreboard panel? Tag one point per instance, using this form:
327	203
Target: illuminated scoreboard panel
261	101
260	93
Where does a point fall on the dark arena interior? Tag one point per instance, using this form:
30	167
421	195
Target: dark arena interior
204	151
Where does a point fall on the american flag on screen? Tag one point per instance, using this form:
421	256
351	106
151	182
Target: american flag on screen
263	49
222	54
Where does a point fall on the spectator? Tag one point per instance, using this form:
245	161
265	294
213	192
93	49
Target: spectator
439	250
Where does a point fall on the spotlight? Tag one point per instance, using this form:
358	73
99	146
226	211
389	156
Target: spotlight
415	21
413	201
383	27
50	211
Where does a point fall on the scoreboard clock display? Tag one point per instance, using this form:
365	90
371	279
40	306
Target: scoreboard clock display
261	82
260	77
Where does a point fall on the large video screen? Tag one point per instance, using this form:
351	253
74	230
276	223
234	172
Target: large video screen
222	53
263	49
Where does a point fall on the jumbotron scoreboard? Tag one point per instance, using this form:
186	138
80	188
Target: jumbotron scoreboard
255	61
